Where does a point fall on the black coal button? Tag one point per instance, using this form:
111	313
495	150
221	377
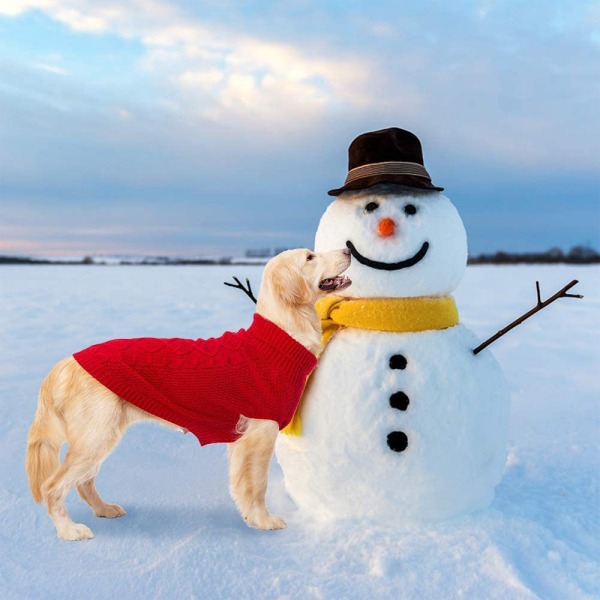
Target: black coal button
397	441
399	400
398	362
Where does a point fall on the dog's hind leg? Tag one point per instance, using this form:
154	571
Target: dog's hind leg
81	464
249	460
76	467
88	492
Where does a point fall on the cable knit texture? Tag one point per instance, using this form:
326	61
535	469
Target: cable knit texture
205	385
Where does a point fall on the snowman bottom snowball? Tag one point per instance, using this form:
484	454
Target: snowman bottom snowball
362	453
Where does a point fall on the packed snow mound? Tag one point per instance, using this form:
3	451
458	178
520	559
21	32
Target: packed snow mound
426	224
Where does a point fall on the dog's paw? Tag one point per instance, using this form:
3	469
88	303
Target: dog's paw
110	511
275	522
266	522
74	531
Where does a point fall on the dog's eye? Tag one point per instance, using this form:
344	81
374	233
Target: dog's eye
371	206
310	257
410	209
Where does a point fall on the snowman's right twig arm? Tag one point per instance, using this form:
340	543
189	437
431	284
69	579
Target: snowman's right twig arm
240	286
562	293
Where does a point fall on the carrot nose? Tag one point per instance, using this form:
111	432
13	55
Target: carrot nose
386	227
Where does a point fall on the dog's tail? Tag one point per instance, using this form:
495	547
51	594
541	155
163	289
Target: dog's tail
46	435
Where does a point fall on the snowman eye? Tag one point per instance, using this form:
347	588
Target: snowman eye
410	209
371	206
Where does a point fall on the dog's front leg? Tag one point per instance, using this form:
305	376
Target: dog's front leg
249	460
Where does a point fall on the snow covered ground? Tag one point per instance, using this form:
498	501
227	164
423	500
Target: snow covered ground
182	537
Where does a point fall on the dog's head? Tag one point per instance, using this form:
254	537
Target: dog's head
298	277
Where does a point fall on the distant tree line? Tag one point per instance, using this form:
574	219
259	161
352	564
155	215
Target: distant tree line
580	255
264	252
25	260
99	261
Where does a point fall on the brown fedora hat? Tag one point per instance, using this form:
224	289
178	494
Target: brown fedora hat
386	156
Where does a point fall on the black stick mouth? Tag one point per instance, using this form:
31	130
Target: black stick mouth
334	284
383	266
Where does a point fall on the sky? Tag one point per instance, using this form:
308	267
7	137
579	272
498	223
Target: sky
206	128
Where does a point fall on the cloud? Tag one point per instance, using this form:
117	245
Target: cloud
216	71
220	117
56	70
464	75
219	75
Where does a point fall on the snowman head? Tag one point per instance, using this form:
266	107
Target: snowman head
404	243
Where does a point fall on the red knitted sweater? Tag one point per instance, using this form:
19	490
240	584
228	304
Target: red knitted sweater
205	385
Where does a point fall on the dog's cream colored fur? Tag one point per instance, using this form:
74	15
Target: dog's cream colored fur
75	408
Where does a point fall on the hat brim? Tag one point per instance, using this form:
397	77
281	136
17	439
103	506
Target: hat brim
408	181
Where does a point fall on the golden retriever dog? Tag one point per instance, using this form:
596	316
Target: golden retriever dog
75	408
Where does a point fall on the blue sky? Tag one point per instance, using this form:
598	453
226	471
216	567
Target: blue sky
205	128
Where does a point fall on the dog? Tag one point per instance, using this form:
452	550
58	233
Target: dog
76	408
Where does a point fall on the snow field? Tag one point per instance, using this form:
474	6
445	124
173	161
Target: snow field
182	536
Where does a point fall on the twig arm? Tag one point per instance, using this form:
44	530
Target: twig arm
562	293
240	286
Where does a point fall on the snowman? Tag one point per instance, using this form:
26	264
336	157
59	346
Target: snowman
400	420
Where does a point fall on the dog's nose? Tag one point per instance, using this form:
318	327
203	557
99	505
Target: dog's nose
386	227
347	251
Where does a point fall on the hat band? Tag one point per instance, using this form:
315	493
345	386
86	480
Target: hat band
387	168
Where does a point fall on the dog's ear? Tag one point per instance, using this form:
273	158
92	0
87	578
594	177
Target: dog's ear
290	286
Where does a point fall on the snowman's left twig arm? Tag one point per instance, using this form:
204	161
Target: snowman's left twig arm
562	293
240	286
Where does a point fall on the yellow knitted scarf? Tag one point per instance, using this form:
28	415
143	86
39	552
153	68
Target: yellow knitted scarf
379	314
